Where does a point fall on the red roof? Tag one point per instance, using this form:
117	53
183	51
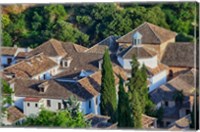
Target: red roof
29	99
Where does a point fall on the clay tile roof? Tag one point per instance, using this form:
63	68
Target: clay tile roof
100	121
147	120
184	81
109	42
8	51
14	114
79	48
181	124
151	34
31	67
158	69
51	48
179	54
22	54
30	99
138	51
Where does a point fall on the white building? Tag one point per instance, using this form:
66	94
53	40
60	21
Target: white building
157	72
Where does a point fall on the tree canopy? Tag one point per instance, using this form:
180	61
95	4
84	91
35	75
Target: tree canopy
87	24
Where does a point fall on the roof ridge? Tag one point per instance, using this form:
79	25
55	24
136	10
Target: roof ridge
132	30
149	25
91	47
127	51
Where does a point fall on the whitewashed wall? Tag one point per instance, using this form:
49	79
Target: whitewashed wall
150	62
158	80
5	58
31	109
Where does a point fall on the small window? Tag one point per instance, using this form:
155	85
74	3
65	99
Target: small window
28	104
44	76
9	60
170	73
59	106
96	100
49	103
41	89
168	123
90	104
36	105
187	112
166	103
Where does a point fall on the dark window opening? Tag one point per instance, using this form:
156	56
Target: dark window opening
44	76
89	104
41	89
9	60
59	106
166	103
168	123
49	103
28	104
170	73
187	112
36	105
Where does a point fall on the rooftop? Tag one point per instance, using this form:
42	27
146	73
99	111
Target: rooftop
179	55
14	114
151	34
31	67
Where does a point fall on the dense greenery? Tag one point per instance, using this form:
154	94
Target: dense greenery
108	103
7	95
87	24
123	109
62	118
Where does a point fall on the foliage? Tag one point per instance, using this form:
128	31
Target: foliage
88	24
62	118
123	109
108	103
178	96
7	94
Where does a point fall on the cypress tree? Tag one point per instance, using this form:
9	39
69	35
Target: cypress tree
123	109
134	94
108	103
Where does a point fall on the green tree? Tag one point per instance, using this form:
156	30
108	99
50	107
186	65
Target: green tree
62	118
108	103
6	94
123	109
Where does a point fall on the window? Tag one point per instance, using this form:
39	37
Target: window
28	104
9	60
96	100
166	103
49	103
187	112
44	76
170	73
168	123
41	89
36	105
90	104
59	106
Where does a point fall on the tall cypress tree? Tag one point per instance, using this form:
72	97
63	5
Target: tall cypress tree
108	103
135	84
123	109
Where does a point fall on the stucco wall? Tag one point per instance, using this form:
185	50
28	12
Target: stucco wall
32	109
158	80
150	62
5	58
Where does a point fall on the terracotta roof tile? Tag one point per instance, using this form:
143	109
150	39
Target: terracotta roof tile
147	120
30	99
181	124
138	51
151	34
8	51
50	48
14	114
153	71
31	67
179	54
